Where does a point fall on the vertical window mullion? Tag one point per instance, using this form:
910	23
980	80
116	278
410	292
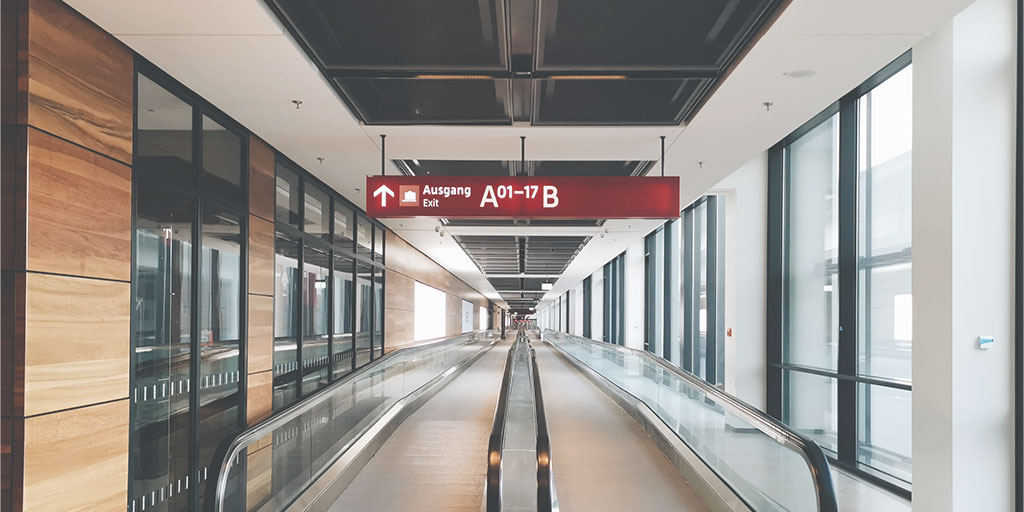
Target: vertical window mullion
848	285
194	314
776	282
689	310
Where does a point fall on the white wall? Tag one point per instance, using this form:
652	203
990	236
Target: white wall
634	283
745	195
963	210
576	305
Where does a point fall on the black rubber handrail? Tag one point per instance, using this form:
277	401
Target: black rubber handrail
215	489
543	442
821	473
496	441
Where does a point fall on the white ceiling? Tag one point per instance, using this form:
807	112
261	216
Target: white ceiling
235	54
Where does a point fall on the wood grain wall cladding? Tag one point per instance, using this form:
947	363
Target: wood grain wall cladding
260	345
398	327
261	256
406	259
261	178
259	397
77	459
79	83
79	211
76	342
453	315
400	291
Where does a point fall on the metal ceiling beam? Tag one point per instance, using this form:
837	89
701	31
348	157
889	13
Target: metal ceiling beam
546	231
522	276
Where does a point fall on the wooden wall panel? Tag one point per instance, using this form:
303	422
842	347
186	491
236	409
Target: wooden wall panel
453	315
399	328
79	211
260	346
399	292
76	342
259	397
261	178
406	259
77	459
79	84
261	256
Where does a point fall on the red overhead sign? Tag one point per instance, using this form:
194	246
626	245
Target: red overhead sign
523	197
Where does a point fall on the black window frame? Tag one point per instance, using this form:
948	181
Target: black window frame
587	313
846	374
192	190
333	247
614	299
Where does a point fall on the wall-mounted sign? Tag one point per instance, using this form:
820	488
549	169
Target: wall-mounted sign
523	197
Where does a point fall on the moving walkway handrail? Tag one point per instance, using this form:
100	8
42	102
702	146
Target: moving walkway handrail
810	451
495	442
544	493
216	484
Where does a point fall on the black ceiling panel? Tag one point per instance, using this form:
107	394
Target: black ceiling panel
420	101
543	62
616	102
459	167
460	35
590	168
611	35
511	255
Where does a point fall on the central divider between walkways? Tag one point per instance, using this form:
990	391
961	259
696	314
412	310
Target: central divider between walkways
270	465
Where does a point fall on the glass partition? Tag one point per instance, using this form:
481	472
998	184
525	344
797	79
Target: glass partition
273	463
756	459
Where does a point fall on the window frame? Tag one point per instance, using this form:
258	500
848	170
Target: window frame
847	376
192	190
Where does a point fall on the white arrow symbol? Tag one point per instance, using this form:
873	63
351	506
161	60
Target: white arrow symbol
383	191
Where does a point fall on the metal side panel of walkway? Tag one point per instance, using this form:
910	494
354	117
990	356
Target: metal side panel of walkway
602	459
437	458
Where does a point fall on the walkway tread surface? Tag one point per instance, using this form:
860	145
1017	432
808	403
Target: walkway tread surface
436	460
601	458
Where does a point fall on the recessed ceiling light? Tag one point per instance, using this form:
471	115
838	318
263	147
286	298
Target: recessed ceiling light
415	162
799	73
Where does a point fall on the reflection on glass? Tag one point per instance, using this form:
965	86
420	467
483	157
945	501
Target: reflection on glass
162	339
163	136
315	359
811	407
286	294
378	313
220	332
318	207
286	202
378	243
364	236
812	286
344	291
343	225
222	161
364	313
884	436
883	228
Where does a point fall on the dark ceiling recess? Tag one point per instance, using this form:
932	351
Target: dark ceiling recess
546	62
511	263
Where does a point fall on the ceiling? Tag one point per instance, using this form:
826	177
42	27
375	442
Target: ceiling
242	58
542	62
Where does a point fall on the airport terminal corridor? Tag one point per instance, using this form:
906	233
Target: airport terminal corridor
511	255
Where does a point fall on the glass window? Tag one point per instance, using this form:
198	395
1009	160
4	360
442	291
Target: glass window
221	288
315	337
378	312
883	228
317	212
812	285
286	304
364	313
884	415
344	224
163	134
287	197
378	243
364	236
812	407
162	343
222	161
344	297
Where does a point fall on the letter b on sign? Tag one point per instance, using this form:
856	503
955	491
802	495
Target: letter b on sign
550	196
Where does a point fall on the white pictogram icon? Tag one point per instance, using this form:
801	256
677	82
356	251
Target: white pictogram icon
383	191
